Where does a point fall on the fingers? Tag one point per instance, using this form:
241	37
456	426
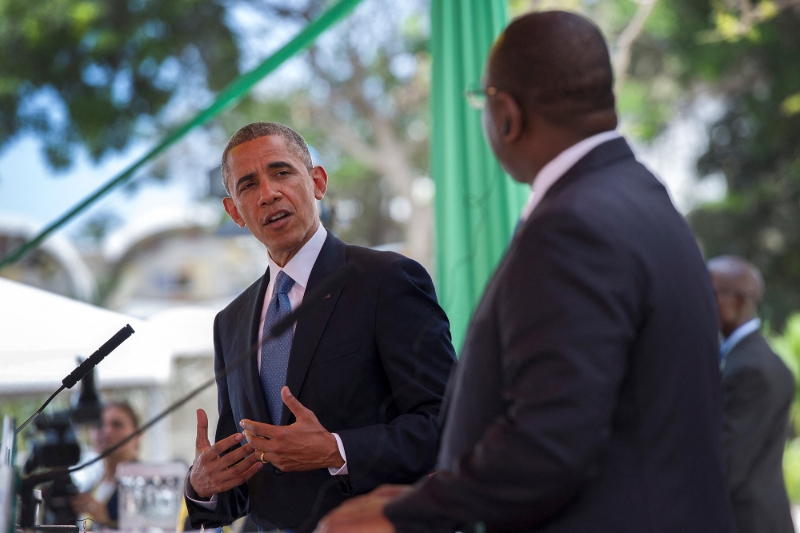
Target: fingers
225	444
391	491
237	455
244	466
246	475
259	429
201	441
293	403
233	479
212	474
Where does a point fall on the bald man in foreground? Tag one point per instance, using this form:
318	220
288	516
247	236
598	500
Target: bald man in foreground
757	390
586	397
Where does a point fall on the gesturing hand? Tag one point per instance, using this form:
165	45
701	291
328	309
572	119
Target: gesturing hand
304	445
363	513
212	472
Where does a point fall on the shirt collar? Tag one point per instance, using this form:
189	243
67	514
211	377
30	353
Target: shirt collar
559	165
299	267
738	334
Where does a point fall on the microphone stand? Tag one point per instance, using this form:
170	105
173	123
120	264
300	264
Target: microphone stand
84	368
310	301
28	483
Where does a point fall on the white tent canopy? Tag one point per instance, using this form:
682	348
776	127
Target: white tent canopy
41	334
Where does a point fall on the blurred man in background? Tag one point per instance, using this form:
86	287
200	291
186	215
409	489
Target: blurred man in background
757	390
587	393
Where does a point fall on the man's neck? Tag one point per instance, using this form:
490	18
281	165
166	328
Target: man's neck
283	257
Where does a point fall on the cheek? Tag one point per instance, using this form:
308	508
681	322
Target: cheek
727	311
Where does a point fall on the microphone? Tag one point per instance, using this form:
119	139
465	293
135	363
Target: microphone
310	301
82	369
110	345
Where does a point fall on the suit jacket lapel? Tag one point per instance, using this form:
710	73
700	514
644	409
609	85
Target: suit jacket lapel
249	321
308	331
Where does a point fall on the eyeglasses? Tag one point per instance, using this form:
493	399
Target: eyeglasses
477	97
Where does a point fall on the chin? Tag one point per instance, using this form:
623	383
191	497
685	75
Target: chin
284	243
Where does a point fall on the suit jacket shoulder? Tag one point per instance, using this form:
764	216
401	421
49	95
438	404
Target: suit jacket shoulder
753	352
370	359
587	391
757	389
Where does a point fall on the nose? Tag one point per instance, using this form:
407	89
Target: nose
269	192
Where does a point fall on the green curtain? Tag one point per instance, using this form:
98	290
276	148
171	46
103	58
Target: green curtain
477	204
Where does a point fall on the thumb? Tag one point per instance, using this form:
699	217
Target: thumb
293	403
201	442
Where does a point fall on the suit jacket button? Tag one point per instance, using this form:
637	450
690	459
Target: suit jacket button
277	470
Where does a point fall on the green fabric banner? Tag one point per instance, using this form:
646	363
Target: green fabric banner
228	97
477	205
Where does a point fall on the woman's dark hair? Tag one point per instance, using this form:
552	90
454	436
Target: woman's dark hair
127	409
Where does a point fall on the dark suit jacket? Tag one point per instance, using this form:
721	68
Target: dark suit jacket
587	395
757	389
371	362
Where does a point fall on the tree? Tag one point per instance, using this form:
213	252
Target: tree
752	64
363	104
743	55
92	73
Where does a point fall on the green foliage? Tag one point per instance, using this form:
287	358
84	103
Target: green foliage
356	108
791	470
755	144
645	114
787	346
86	72
791	105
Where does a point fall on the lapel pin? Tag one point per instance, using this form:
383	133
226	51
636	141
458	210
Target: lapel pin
326	296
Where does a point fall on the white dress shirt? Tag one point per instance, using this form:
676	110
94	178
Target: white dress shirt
735	338
559	165
299	269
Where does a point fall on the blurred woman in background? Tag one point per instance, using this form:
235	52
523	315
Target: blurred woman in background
100	503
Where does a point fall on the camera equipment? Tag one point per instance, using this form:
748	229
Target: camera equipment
56	446
29	482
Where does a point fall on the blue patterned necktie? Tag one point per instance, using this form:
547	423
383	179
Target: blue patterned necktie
275	351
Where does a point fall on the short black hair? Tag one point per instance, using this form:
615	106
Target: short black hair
555	64
294	141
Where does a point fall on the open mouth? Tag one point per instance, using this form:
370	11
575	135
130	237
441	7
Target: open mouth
277	217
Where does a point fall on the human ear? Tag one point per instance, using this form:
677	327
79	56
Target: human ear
230	208
509	117
320	178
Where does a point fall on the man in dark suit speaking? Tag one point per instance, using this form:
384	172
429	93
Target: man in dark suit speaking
587	394
757	391
349	398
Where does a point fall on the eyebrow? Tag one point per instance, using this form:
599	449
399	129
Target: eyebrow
273	165
280	164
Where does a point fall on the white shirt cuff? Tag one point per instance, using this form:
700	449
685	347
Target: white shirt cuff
342	470
210	504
